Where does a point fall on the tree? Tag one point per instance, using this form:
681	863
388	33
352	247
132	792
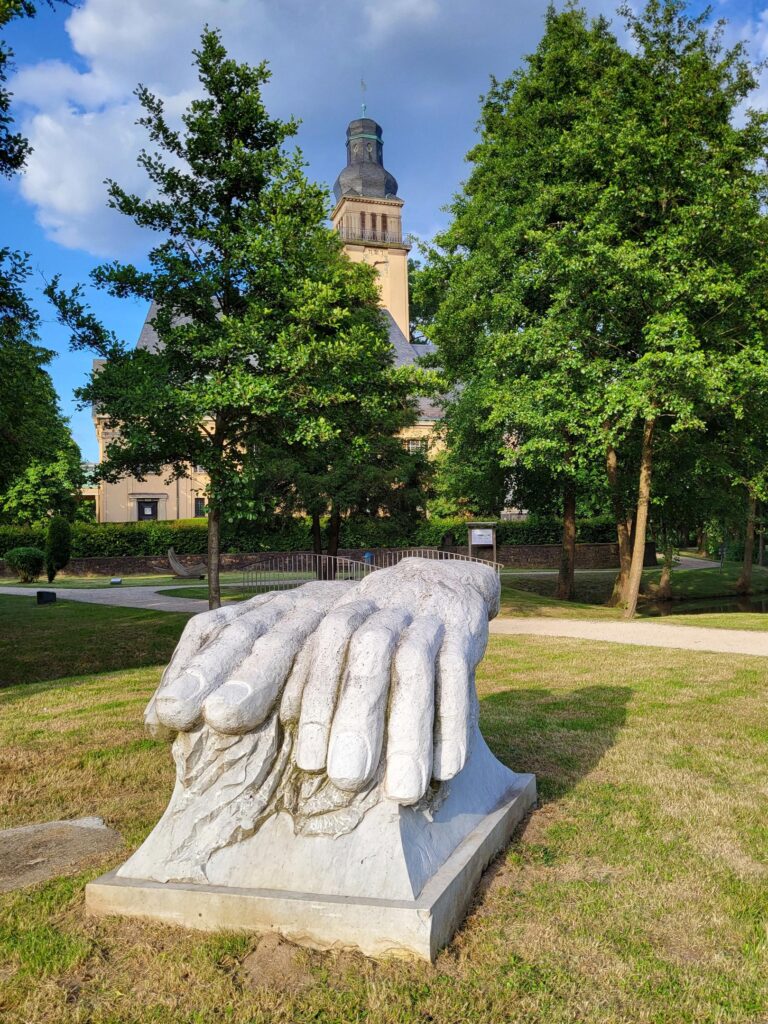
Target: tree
256	303
606	268
675	245
47	486
31	424
33	432
506	328
14	148
58	546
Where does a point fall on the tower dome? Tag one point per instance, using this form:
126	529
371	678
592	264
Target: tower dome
365	174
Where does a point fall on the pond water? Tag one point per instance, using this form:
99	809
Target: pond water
757	603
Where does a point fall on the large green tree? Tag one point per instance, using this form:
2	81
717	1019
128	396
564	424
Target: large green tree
606	269
263	323
508	334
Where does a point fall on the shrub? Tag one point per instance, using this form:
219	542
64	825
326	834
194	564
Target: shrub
58	546
27	562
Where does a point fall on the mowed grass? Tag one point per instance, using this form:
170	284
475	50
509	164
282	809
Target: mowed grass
637	892
594	588
40	642
95	582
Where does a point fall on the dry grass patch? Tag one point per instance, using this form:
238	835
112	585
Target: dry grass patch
628	897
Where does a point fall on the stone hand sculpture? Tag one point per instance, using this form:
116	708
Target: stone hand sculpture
319	731
344	663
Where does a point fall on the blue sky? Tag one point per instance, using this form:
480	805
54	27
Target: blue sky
425	62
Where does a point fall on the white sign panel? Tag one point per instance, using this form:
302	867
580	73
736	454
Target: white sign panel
481	537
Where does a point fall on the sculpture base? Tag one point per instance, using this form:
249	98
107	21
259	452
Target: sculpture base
377	927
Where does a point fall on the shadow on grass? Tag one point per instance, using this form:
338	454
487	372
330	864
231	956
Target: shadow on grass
559	736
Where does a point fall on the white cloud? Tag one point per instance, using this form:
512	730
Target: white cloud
385	19
425	63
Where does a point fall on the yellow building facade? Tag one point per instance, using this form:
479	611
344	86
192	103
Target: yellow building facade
368	217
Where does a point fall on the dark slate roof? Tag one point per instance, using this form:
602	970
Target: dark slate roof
365	174
148	338
405	353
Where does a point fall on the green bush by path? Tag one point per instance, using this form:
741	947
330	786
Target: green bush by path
27	562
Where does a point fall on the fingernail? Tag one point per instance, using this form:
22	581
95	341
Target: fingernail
348	760
311	746
405	782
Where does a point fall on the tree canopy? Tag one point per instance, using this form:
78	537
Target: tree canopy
269	337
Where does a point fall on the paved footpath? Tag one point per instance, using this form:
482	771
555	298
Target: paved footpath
119	597
644	634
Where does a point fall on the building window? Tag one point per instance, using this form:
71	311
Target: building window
373	223
147	509
200	510
384	225
416	445
362	225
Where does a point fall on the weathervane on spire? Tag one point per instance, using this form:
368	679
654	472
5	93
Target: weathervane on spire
363	87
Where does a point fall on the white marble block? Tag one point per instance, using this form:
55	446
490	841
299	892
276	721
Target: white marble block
331	780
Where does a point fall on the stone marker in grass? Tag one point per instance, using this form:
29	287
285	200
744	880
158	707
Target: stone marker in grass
332	782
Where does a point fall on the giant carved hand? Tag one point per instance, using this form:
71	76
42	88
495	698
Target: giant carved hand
371	679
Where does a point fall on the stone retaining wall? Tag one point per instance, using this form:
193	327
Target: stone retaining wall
530	556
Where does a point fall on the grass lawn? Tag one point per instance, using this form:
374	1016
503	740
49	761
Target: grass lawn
92	582
41	642
201	593
636	893
687	584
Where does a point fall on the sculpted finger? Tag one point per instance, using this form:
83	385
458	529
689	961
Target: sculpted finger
455	683
357	731
290	703
412	711
249	694
319	699
179	703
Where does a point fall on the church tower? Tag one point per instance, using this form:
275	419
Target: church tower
367	215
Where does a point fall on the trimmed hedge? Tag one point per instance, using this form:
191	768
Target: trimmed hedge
189	536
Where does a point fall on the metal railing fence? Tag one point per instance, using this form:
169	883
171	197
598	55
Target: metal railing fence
292	569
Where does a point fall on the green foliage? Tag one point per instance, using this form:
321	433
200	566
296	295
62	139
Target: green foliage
45	487
27	562
58	546
270	338
604	275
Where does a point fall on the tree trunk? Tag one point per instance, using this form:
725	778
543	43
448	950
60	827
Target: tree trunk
622	528
760	536
565	580
317	535
334	531
744	582
664	593
641	520
214	553
701	541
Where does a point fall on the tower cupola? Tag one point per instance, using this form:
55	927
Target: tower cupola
365	174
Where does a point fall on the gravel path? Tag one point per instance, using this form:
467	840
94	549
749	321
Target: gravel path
644	634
